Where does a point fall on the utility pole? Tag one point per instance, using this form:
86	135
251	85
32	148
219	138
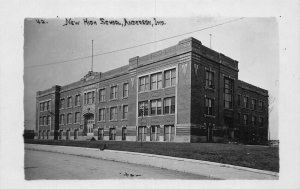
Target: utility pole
142	116
92	55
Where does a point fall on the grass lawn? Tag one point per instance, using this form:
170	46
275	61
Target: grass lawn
258	157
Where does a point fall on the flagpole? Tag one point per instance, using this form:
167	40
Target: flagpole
92	55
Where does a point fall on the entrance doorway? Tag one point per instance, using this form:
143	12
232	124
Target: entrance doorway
228	121
89	124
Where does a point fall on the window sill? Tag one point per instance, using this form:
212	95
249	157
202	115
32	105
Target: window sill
156	115
114	99
169	114
125	97
149	90
210	116
169	87
101	121
113	120
90	104
144	91
124	119
209	88
230	109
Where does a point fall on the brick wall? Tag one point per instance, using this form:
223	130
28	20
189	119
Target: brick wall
191	60
253	132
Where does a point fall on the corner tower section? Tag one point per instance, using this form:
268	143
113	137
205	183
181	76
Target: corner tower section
163	94
214	84
47	113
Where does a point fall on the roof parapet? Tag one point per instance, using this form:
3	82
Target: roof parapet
133	62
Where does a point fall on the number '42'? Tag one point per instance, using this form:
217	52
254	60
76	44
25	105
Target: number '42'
41	21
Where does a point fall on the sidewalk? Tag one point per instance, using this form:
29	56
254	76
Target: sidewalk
205	168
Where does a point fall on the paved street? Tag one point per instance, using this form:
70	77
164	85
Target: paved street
48	165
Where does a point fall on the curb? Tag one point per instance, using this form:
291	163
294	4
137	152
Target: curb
205	168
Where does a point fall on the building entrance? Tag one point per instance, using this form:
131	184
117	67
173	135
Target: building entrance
228	121
88	124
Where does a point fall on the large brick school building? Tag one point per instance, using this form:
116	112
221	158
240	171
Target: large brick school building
184	93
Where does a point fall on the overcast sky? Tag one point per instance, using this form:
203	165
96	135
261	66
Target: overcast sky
251	41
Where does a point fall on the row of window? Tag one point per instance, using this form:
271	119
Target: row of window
253	103
113	113
157	80
228	88
209	106
45	106
89	97
156	107
69	101
169	133
254	121
112	95
228	91
111	133
45	120
228	94
44	134
69	118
